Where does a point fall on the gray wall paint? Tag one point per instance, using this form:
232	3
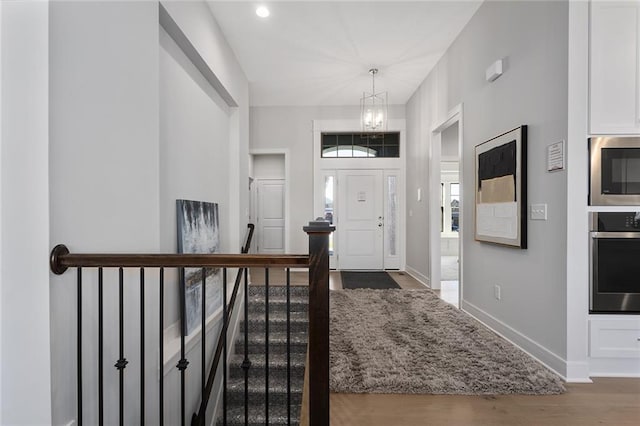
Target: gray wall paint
114	168
533	38
450	143
419	120
268	166
291	128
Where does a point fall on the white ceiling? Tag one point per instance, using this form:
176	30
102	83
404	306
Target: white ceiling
319	52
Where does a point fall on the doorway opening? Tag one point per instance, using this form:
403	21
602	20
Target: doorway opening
269	202
446	225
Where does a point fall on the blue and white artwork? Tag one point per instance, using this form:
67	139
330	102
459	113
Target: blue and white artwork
198	232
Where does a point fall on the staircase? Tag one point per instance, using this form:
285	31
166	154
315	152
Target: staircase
277	358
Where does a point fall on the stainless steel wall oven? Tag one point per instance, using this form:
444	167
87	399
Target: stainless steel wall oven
614	171
615	262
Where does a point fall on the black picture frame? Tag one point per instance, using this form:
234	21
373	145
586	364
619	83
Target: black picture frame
501	189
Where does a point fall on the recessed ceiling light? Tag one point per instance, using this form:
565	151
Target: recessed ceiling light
262	11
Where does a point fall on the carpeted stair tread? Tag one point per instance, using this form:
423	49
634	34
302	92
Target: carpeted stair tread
277	416
277	343
258	360
278	290
277	364
277	322
277	391
279	303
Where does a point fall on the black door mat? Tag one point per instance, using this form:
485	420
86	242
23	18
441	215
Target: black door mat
378	280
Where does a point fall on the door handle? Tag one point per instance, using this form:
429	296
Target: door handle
379	225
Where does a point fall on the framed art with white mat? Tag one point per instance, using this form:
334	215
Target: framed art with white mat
501	189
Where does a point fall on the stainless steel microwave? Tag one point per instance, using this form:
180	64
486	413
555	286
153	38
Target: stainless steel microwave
614	171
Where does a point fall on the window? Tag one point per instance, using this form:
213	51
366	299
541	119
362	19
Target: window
328	206
455	205
361	145
450	206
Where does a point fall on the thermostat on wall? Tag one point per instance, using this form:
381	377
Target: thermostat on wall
494	71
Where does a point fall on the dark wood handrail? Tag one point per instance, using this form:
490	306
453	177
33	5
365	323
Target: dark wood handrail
61	259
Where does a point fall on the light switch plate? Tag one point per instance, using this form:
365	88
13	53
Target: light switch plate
538	212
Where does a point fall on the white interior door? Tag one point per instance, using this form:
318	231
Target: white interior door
271	216
360	228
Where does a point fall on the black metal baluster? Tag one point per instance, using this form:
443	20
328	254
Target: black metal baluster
121	364
183	363
100	349
142	346
224	346
288	346
266	344
203	352
246	363
79	343
161	349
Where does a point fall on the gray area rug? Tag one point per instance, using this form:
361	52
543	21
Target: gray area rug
410	341
359	279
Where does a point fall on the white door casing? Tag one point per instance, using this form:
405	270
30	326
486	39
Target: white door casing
361	215
271	216
453	118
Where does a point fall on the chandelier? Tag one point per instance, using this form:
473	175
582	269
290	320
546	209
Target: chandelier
373	108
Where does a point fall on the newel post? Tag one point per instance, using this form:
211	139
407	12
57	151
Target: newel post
319	231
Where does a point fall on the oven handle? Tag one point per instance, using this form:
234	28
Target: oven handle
598	235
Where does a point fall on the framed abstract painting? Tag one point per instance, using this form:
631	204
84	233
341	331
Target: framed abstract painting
501	189
198	232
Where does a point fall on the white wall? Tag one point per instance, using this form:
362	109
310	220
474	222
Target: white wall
449	150
533	39
577	176
268	166
104	174
194	149
291	128
116	169
205	35
25	370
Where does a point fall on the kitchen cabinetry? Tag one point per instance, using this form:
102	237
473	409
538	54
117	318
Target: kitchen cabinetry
614	345
614	68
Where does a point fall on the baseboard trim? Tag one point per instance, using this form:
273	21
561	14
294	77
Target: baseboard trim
614	367
417	276
534	349
578	372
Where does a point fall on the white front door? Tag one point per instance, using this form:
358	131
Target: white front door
271	216
360	230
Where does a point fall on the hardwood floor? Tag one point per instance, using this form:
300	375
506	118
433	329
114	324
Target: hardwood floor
607	401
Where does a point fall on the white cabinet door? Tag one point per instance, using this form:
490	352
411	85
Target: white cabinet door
615	338
614	67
